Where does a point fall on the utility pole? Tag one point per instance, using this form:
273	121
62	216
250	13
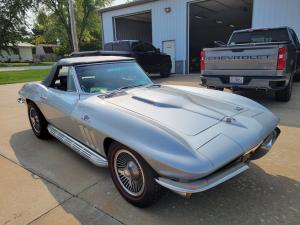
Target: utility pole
73	26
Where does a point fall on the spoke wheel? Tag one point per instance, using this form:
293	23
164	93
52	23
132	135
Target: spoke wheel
34	119
129	172
132	176
37	121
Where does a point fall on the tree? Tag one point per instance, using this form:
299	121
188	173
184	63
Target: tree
12	22
53	23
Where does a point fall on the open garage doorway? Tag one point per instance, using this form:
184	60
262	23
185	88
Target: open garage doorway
214	20
134	27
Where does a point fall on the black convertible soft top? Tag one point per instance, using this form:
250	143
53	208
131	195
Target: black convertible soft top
79	61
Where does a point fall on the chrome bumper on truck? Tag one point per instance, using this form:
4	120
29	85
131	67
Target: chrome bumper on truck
229	171
250	82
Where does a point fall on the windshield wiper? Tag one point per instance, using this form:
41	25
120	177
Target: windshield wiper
129	87
118	90
153	86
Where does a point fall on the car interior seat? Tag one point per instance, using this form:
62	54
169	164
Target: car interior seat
63	83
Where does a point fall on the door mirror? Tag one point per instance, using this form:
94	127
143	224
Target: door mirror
157	50
219	43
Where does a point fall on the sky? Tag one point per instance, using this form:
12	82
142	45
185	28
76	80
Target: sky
117	2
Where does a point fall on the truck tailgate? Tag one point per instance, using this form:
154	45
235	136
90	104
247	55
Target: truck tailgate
241	58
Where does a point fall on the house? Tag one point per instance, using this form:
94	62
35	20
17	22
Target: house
22	53
45	52
182	28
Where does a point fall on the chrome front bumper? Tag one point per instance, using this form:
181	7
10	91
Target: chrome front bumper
222	175
205	183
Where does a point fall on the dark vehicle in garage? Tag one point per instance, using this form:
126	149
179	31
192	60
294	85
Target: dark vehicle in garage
151	59
267	59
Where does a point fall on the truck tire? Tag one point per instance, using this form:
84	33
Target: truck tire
165	70
216	88
297	77
285	94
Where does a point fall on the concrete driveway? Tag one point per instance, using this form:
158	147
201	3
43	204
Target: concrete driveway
44	182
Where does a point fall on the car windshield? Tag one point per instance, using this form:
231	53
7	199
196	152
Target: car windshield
104	78
259	36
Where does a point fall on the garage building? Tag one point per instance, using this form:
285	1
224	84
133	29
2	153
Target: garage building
182	28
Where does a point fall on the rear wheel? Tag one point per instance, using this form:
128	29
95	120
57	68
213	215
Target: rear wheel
285	94
165	70
132	176
216	88
297	77
37	121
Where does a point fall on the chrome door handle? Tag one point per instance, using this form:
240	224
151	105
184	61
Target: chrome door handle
44	97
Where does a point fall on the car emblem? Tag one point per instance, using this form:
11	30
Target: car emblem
238	108
228	119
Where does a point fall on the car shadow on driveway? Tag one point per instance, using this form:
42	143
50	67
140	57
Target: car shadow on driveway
288	112
255	197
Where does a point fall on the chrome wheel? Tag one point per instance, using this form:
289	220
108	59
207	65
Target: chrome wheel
129	172
34	120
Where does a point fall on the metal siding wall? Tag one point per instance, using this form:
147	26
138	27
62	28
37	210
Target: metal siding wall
274	13
165	26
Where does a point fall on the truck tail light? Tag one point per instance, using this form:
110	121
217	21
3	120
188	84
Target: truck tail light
281	61
202	60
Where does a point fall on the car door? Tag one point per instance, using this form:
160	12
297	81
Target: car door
60	99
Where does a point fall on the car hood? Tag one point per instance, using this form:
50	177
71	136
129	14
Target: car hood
183	112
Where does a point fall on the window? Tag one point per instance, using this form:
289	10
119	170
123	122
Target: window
121	46
138	47
294	36
108	47
64	80
148	47
102	78
260	36
143	47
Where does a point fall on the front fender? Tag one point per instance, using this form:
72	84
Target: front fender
33	92
165	151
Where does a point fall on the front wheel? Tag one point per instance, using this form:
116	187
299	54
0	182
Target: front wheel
285	94
132	176
37	121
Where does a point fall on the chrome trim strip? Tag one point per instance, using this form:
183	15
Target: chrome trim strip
76	146
205	183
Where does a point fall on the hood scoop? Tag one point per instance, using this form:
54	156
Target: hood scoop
155	103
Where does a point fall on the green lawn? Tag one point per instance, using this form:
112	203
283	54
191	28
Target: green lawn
4	64
9	77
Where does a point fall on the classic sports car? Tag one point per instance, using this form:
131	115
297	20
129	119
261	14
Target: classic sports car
150	136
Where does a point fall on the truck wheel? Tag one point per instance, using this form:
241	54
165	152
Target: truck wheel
132	176
165	70
297	77
216	88
37	121
285	94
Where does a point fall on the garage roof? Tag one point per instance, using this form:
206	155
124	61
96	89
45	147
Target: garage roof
126	5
